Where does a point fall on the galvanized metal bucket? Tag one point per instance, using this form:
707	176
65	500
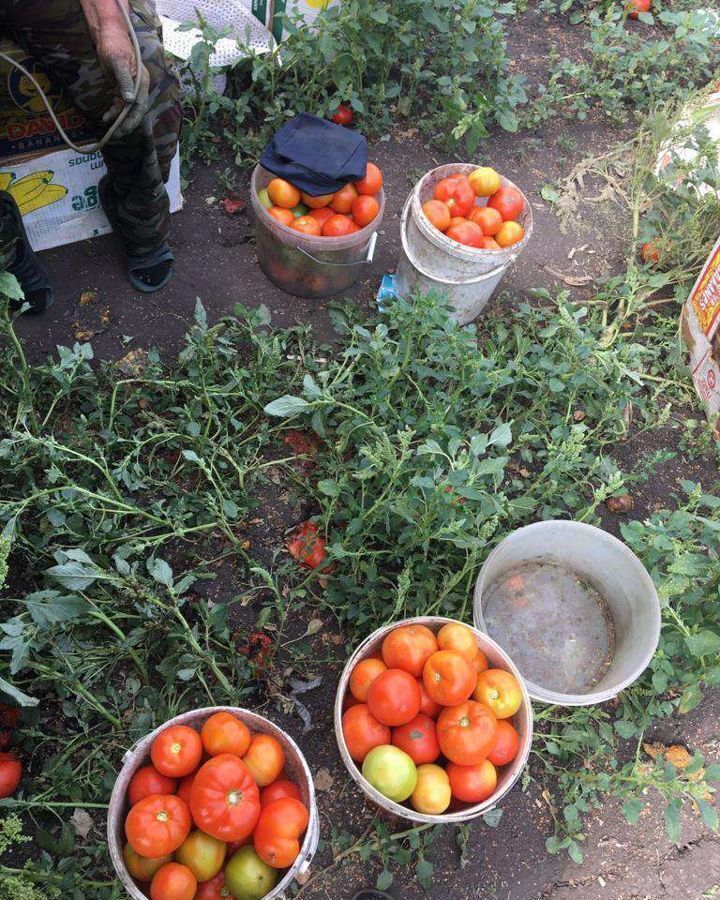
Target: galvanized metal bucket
431	261
139	755
623	589
523	721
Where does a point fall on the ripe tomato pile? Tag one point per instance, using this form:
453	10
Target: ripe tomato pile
429	721
211	816
331	215
476	210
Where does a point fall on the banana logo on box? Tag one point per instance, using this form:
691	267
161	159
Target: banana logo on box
32	191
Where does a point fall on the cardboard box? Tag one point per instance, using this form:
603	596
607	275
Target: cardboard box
57	195
25	126
308	9
700	322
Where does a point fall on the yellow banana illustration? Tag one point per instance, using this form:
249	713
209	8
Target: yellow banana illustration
29	187
50	193
5	179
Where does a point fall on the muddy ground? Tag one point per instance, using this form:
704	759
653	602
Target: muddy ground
216	262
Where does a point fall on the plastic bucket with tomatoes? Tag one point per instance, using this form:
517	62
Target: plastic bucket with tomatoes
522	721
137	756
432	261
305	265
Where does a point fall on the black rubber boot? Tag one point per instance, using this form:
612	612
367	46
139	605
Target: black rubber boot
27	268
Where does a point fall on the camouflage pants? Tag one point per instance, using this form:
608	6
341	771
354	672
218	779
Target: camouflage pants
56	35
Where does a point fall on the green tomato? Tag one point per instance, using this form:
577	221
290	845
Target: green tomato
391	771
248	877
264	198
300	210
202	854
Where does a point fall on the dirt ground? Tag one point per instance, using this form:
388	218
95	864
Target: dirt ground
216	262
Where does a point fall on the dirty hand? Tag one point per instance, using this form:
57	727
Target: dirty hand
116	54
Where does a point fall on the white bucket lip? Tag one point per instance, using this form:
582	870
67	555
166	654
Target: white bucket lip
138	755
404	812
444	243
557	698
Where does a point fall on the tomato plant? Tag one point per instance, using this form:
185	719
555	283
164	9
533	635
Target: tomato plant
409	648
363	732
394	697
448	678
148	780
176	751
224	799
418	738
265	759
278	830
157	825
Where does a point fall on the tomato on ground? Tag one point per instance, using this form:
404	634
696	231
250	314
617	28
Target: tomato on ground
307	225
339	226
418	738
284	216
438	214
409	648
499	690
432	794
635	7
457	193
279	789
472	784
277	833
342	200
507	744
364	210
363	732
510	233
489	219
173	882
650	252
283	194
427	705
322	214
224	799
394	697
203	854
10	774
142	867
176	751
458	638
343	115
157	825
147	781
467	233
467	732
248	877
372	182
306	545
448	678
508	201
485	181
316	202
364	673
265	759
225	733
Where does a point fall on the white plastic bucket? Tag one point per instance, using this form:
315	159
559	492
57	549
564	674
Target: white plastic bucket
522	720
613	573
139	755
430	260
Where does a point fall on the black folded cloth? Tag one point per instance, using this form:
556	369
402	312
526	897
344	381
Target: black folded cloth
317	156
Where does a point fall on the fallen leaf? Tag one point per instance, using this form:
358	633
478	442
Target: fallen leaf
232	206
83	334
88	297
133	363
572	280
578	415
81	822
678	757
302	877
323	780
314	625
654	750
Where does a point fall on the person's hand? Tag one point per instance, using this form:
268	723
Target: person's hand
116	54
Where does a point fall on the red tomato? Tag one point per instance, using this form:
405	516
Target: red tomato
490	244
342	200
224	799
458	638
234	846
418	738
457	220
467	233
438	213
363	732
215	889
306	545
282	215
507	744
480	662
185	786
316	202
339	226
488	219
141	867
322	215
364	210
499	690
472	784
265	759
343	115
362	676
409	647
283	194
147	781
225	733
276	834
176	751
508	201
279	789
635	7
467	732
650	252
307	225
173	882
372	182
10	774
510	233
157	825
394	697
427	705
457	193
448	678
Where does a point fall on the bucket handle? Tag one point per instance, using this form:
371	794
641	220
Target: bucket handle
369	256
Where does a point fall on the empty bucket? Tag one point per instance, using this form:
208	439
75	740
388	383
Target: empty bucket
573	606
